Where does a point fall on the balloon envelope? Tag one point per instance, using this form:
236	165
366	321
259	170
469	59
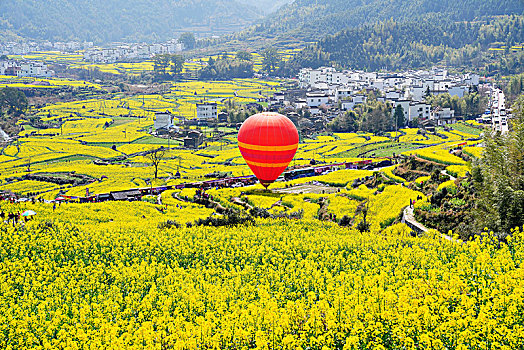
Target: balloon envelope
268	142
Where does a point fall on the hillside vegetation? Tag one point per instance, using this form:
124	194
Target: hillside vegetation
394	45
310	19
118	20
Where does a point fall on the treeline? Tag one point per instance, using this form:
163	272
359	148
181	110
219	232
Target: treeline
225	67
397	45
238	113
372	116
168	66
499	178
469	105
515	87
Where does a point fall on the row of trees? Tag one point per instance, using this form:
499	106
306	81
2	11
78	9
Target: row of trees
499	178
226	67
515	86
373	116
168	66
471	104
238	113
376	116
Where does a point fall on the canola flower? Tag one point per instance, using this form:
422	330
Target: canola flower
447	184
473	151
279	284
458	170
439	154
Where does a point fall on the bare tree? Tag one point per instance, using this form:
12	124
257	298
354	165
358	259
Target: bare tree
155	157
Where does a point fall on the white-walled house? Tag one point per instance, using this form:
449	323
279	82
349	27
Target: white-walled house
419	110
443	116
350	103
315	99
359	98
279	97
163	120
207	110
377	84
347	105
342	94
393	94
405	107
9	68
471	79
416	93
25	69
35	69
339	78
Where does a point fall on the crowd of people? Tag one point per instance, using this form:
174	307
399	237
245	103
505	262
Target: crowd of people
13	217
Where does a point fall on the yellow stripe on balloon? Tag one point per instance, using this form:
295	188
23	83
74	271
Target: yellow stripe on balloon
267	148
267	165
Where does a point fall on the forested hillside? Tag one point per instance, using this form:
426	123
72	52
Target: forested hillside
413	44
119	20
311	19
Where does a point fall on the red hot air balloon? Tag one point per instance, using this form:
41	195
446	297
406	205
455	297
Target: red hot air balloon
268	142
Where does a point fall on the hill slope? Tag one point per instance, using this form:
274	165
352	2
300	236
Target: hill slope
311	19
121	20
266	6
400	45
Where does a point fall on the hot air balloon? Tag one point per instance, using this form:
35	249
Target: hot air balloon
268	142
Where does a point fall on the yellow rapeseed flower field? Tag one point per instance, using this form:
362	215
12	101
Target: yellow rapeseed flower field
108	276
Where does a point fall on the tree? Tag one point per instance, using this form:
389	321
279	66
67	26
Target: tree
161	63
155	156
270	60
499	178
427	93
515	86
375	116
225	69
13	100
474	104
188	39
398	117
346	122
244	56
177	64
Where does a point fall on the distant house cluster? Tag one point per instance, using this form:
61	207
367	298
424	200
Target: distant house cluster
328	87
164	126
35	69
131	52
23	48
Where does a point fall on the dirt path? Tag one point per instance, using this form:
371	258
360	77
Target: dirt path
445	172
408	218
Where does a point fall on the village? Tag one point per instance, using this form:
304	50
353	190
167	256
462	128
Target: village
321	95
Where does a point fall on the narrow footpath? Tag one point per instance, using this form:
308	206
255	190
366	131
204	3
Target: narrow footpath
408	218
